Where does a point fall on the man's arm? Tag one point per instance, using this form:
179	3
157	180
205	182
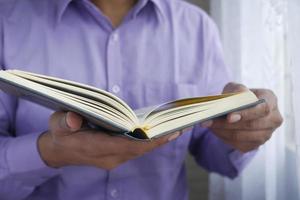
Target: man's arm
227	144
244	131
21	168
209	151
28	161
214	155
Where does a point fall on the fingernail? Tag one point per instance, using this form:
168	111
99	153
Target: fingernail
67	120
207	124
235	118
174	136
64	122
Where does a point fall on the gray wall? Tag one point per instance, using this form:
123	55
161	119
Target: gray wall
201	3
197	177
197	180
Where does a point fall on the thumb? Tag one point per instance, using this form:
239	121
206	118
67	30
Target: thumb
234	87
65	122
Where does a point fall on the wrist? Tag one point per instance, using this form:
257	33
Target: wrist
48	151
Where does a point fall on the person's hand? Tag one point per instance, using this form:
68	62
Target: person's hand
66	143
247	129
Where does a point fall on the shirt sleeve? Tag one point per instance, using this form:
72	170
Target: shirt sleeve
21	168
209	151
214	155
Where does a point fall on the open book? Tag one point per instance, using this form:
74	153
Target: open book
106	111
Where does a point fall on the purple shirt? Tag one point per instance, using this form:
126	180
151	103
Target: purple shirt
164	49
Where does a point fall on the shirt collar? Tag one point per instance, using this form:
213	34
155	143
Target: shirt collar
158	6
61	6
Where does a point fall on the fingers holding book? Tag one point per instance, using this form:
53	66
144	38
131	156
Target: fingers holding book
67	143
247	129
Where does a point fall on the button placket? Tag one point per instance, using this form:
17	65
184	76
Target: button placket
113	190
116	89
115	37
114	64
114	193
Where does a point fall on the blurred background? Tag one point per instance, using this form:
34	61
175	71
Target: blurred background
198	178
262	47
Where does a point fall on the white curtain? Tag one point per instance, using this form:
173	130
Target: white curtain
262	46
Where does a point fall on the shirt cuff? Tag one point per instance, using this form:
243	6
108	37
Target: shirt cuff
240	160
24	161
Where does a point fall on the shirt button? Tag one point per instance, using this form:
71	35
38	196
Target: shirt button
114	193
115	37
116	89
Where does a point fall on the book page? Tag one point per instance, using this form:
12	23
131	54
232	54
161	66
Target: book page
142	113
188	101
80	90
50	98
101	108
179	118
